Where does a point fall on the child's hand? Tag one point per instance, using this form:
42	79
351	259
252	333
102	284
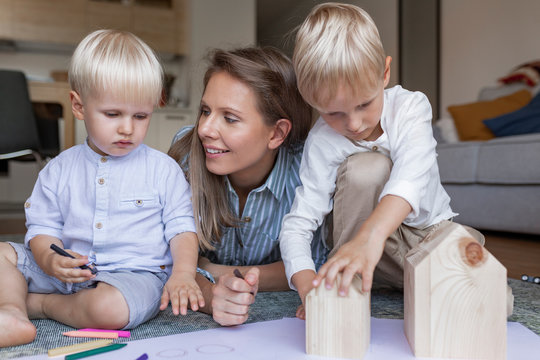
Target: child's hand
355	257
66	269
180	289
303	281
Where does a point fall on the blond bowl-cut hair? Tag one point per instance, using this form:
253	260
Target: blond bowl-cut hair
337	44
116	62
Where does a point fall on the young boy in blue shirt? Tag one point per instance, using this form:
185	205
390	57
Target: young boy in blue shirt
370	159
112	201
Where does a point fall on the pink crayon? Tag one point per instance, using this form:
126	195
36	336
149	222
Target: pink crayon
121	333
91	334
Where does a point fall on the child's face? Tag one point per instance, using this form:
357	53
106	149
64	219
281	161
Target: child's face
114	127
357	117
236	140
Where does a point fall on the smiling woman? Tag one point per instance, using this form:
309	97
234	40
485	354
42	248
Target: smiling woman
242	160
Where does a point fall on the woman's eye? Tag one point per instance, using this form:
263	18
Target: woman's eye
230	119
205	112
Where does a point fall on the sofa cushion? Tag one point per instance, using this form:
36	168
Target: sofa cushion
468	117
458	162
510	160
523	121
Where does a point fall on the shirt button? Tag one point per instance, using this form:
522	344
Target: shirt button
247	219
27	205
99	225
375	148
101	181
103	159
162	267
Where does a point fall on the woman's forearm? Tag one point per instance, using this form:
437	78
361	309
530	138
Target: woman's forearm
272	276
206	287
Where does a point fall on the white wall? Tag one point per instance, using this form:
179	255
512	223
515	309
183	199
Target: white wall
217	24
482	40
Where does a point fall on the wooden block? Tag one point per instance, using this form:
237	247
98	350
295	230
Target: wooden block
338	326
455	298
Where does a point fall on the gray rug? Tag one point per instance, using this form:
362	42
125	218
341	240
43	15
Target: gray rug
268	306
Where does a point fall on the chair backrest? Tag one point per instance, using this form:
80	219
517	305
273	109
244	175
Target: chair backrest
18	127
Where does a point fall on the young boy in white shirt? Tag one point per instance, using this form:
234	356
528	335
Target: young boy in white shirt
370	158
112	201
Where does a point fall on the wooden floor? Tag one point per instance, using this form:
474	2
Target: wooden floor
518	252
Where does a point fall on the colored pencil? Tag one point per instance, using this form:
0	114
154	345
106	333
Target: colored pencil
70	349
91	334
121	333
94	351
143	357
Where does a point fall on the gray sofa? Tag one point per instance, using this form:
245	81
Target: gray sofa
495	184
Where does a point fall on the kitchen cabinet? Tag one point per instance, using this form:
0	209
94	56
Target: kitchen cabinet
160	23
56	21
164	124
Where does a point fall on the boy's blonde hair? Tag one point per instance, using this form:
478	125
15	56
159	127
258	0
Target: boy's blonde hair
118	62
337	44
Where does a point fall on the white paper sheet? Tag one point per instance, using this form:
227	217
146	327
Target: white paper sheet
285	339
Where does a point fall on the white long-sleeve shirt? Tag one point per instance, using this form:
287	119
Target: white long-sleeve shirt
408	141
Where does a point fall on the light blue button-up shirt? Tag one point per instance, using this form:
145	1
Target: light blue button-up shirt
256	241
120	211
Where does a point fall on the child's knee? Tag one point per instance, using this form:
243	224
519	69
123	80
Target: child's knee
107	307
8	254
365	170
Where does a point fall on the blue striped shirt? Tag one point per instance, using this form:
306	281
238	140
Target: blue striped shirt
256	240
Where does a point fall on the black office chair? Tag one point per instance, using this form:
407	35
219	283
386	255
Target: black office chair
18	127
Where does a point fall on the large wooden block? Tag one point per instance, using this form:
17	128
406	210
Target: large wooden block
455	298
338	326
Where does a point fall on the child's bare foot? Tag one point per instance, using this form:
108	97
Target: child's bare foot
15	328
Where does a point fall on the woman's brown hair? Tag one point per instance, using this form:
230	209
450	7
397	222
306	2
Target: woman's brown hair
270	75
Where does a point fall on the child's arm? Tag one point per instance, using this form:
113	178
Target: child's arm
362	253
181	287
61	267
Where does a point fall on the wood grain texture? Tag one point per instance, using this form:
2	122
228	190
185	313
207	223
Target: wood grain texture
455	298
338	326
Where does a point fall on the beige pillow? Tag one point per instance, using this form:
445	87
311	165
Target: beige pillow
468	117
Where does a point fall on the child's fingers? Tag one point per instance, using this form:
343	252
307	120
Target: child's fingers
332	274
175	303
301	312
346	280
193	299
367	279
321	274
200	298
184	298
164	300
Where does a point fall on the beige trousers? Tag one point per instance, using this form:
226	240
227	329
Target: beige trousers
359	183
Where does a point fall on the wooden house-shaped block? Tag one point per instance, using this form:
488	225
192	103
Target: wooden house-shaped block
338	326
455	296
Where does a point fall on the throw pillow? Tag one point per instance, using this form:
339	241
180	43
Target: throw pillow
523	121
528	73
468	117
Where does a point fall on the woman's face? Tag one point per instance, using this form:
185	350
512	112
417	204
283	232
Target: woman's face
233	133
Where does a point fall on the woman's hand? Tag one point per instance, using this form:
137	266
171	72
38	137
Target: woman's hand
232	297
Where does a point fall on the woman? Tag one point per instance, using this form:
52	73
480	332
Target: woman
242	159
